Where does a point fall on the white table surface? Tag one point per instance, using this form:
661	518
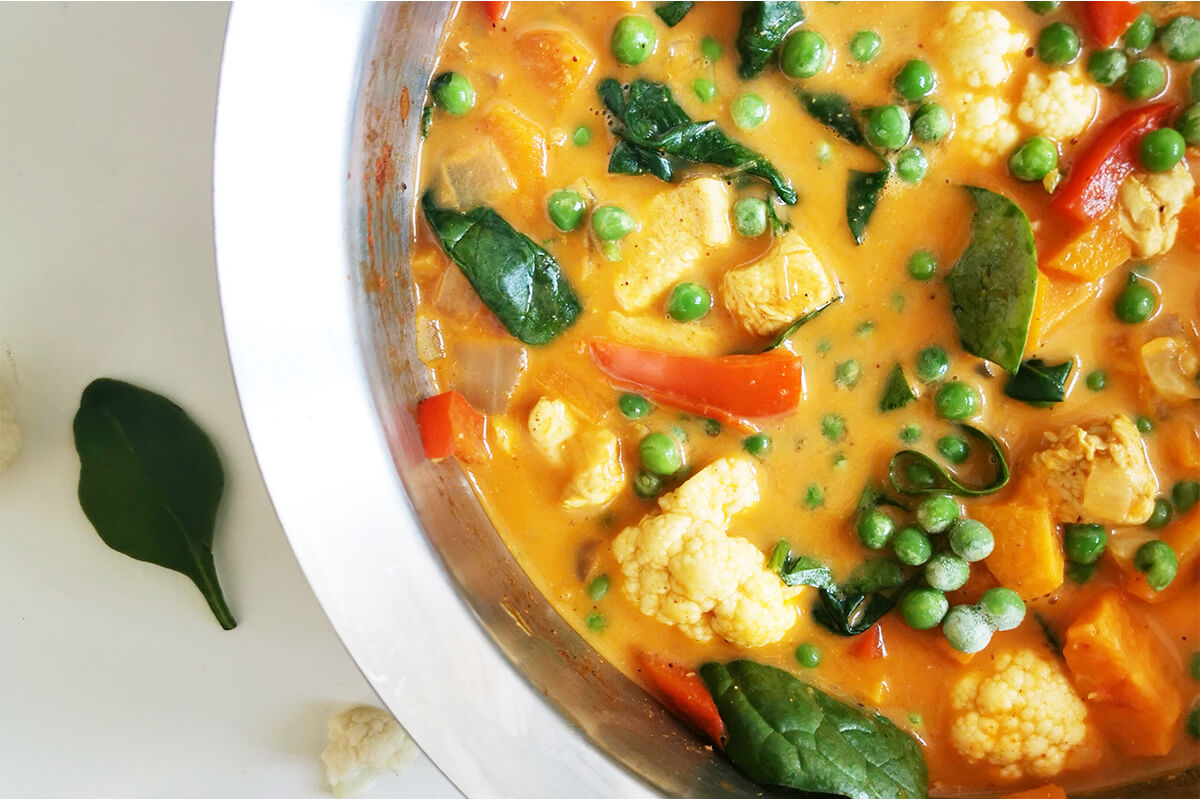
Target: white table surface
114	677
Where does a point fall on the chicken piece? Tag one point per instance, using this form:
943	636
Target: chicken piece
1149	207
784	285
681	225
1059	107
477	177
1100	474
663	334
551	424
1173	367
556	60
601	476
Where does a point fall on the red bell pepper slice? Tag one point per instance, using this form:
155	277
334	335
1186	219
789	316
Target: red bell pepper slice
869	645
449	426
728	388
1096	174
1106	21
684	692
496	11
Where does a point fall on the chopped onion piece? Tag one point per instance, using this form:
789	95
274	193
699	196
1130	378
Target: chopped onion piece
430	346
487	372
456	296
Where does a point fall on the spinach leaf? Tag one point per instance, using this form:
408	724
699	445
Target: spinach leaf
852	608
658	137
944	481
873	498
426	119
862	195
150	482
764	25
778	226
784	732
834	112
801	570
790	330
1039	384
993	283
897	392
672	13
520	282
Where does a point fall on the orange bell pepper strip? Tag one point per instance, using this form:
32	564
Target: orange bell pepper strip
1106	21
869	646
728	388
449	426
1096	174
496	11
684	692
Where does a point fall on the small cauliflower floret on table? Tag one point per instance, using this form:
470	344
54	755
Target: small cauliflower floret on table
681	224
979	46
681	567
363	742
1149	206
664	334
595	452
1100	474
1173	367
784	285
984	125
1059	107
1020	715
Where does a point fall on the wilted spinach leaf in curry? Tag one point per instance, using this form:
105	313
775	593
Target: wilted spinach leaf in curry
897	392
764	25
1038	383
862	195
833	110
944	480
673	13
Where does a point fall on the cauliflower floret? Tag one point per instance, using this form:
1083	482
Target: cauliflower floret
1022	715
551	424
681	568
1148	209
984	123
1100	474
979	46
1059	108
602	475
663	334
681	224
1173	366
364	741
784	285
10	432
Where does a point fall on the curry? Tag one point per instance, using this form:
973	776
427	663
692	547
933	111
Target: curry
835	369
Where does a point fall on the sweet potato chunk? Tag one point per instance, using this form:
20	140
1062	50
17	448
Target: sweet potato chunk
1056	301
1028	557
1189	226
556	60
1091	255
520	141
1125	678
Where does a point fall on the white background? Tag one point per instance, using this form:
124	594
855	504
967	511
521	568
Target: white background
114	677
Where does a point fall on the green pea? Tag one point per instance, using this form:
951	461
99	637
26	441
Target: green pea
710	48
808	656
912	546
1140	33
1080	573
911	166
647	485
932	363
1161	514
633	40
1034	160
966	629
1194	91
920	475
705	89
1180	38
750	217
1058	44
1145	79
1085	543
581	136
1162	149
758	444
910	433
937	512
598	588
660	454
946	572
1043	6
596	623
1184	495
566	209
814	496
688	302
1136	302
922	266
874	529
804	54
1193	723
748	111
971	540
865	45
957	400
456	94
1144	424
1159	563
1096	380
612	223
875	575
1107	66
1188	124
833	427
634	406
924	608
1003	608
931	122
915	80
954	449
887	127
847	373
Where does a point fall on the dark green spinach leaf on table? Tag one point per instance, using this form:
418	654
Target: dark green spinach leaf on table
943	480
897	392
150	482
833	110
1038	383
658	137
520	282
762	30
784	732
672	13
862	195
993	283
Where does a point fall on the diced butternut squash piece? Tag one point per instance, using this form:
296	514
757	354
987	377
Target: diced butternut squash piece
1129	684
1028	557
519	140
556	60
1183	536
1091	255
969	593
1181	440
1051	791
1189	228
1056	301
